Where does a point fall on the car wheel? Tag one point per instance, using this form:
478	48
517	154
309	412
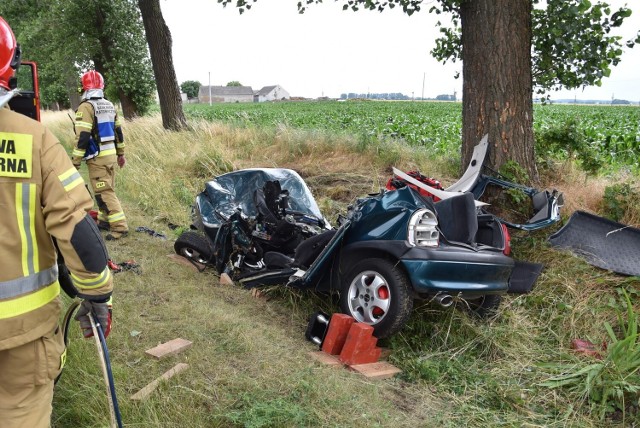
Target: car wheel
485	306
194	247
376	292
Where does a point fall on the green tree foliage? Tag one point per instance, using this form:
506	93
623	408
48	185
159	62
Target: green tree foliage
572	43
66	37
191	88
234	83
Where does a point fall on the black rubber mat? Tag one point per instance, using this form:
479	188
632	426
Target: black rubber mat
524	277
601	242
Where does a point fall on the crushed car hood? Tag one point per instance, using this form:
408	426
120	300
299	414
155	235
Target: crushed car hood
229	192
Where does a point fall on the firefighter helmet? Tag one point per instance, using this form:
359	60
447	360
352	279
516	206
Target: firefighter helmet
9	54
92	80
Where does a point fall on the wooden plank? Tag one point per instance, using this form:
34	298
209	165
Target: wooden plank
384	353
225	279
147	390
379	370
168	348
183	261
328	359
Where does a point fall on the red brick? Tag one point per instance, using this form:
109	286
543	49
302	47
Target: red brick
337	331
360	346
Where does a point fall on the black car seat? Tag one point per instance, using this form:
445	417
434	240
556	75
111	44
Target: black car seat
457	218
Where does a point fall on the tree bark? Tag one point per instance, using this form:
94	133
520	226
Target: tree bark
129	108
159	40
497	82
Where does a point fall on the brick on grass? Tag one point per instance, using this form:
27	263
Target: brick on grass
360	345
339	326
171	347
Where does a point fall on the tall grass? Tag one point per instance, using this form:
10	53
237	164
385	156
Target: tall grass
249	365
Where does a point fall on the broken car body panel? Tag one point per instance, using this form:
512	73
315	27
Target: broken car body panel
546	204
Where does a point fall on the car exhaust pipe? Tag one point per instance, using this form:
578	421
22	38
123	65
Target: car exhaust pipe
444	300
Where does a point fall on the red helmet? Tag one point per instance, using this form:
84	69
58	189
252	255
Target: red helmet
9	54
92	80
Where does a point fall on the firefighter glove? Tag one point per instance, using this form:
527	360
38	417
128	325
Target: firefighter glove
101	311
121	161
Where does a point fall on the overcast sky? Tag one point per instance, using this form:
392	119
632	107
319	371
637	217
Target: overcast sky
327	51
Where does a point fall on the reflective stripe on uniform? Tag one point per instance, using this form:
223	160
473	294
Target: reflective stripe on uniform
85	125
70	179
78	152
116	217
107	149
92	283
30	302
25	211
28	284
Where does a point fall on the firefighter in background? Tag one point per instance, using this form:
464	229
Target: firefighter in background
43	198
100	143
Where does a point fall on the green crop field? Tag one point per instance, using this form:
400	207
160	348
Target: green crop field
612	130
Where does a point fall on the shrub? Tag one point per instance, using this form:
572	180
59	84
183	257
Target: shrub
621	201
612	383
567	140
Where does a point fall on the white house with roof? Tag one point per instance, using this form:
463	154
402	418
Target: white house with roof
271	93
226	94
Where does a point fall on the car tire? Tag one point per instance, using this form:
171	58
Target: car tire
195	247
377	292
485	306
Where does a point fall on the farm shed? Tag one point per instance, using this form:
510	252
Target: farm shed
226	94
271	93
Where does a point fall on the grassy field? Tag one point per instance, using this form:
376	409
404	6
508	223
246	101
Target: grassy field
613	131
249	364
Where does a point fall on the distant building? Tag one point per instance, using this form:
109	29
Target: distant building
271	93
226	94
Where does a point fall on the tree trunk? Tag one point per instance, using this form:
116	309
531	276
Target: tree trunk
497	82
129	108
159	40
72	84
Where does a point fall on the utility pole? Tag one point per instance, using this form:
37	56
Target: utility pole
423	76
209	88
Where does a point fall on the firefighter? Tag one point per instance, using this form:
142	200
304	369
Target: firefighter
100	143
44	204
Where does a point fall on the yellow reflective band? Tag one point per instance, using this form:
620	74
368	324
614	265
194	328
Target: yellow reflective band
107	152
116	217
16	155
63	359
91	283
78	152
70	179
85	125
30	302
25	212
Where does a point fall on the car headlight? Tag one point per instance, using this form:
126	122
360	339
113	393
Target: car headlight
423	231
